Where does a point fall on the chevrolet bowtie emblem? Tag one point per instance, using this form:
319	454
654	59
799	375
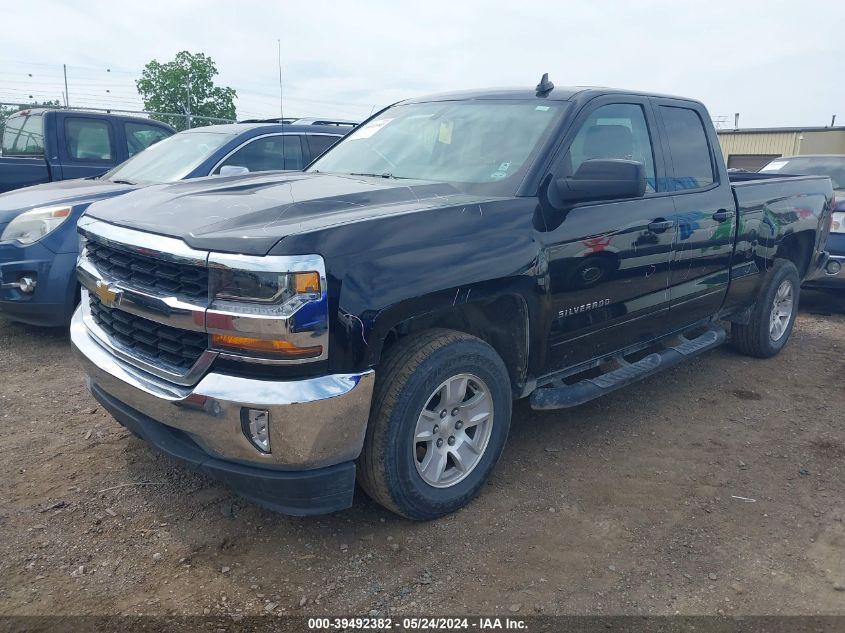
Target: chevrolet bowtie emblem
108	295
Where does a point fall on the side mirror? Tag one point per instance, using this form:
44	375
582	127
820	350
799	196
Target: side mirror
233	170
600	179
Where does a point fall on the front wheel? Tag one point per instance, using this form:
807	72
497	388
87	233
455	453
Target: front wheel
440	417
773	315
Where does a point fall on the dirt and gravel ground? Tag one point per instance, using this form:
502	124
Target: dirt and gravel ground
716	487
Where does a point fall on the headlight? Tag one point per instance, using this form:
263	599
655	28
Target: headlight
257	311
279	294
837	224
31	226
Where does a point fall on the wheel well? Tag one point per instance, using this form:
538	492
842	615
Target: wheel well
797	248
502	323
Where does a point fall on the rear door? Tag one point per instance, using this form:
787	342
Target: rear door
609	261
87	145
704	212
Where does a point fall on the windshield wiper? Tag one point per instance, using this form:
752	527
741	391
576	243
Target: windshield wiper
384	175
124	182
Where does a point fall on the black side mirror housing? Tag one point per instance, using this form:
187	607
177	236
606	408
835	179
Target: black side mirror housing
600	179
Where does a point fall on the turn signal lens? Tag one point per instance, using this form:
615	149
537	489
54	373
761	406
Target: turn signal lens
306	283
275	348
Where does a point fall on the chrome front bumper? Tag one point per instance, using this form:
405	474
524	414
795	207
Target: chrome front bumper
314	422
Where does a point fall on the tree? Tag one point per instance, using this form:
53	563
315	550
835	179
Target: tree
186	85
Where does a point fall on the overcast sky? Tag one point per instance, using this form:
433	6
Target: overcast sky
776	62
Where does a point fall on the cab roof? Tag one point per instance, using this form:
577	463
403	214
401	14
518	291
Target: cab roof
558	93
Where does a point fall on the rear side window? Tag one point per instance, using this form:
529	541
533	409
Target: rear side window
320	143
268	154
617	130
23	135
139	137
688	147
88	139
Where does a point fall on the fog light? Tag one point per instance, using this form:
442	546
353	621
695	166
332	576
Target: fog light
27	284
256	427
833	267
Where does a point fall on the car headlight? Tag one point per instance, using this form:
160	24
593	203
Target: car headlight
31	226
257	311
256	292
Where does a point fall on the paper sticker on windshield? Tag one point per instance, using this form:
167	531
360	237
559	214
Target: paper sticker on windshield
370	128
774	165
504	166
498	175
445	135
542	108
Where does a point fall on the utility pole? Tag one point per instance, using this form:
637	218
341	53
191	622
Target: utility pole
67	99
188	106
281	93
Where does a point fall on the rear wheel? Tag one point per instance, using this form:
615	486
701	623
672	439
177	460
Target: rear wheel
440	417
773	315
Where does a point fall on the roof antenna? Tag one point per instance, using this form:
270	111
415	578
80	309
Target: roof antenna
545	86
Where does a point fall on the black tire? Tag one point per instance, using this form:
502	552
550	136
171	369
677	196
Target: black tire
405	380
755	339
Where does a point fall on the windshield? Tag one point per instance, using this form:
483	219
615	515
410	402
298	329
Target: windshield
169	160
477	145
830	166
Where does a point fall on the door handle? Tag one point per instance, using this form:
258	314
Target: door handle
723	214
660	225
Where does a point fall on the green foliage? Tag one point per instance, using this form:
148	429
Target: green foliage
185	85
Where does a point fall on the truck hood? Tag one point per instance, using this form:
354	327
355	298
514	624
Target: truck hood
83	190
249	215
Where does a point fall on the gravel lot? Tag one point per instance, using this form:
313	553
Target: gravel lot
717	487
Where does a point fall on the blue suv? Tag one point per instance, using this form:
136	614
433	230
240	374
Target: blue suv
38	240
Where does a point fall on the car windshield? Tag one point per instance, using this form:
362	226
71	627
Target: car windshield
169	160
483	146
831	166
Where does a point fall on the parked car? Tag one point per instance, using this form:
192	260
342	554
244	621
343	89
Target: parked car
38	241
42	145
832	275
374	316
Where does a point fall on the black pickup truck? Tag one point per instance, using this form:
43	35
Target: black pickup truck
374	316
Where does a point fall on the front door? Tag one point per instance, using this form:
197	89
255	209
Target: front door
609	261
89	147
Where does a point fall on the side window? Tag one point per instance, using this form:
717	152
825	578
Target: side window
88	139
267	154
320	143
23	135
688	146
139	136
616	130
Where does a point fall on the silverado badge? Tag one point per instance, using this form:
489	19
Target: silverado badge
583	308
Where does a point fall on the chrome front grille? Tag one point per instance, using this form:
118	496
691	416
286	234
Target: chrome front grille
153	342
149	273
